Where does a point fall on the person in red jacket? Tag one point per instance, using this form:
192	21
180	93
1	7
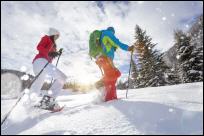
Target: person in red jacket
47	51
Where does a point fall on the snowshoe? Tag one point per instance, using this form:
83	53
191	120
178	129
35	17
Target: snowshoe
49	103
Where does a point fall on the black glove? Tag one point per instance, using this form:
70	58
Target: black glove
53	54
60	51
131	48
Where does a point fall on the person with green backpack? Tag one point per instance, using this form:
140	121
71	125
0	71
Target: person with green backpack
102	46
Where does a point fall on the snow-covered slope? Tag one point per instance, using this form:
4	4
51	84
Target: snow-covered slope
174	109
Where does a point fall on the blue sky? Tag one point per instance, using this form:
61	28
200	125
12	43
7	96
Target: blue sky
24	23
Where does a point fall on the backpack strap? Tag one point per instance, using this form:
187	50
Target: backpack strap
101	43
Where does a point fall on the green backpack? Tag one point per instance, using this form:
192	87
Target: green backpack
95	47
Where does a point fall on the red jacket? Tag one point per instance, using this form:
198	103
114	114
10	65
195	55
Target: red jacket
44	47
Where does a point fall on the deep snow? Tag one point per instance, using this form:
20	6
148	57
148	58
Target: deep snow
176	109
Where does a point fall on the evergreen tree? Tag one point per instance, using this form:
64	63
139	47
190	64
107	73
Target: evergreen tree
190	58
196	60
195	74
121	85
172	76
151	68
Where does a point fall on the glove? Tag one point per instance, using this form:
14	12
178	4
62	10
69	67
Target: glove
53	54
131	48
60	51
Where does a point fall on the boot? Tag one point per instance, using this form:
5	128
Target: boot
48	103
99	84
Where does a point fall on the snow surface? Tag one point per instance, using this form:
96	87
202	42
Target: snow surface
176	109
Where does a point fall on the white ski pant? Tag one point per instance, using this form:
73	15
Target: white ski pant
49	72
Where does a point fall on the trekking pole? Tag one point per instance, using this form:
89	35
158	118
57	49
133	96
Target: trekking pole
7	115
129	73
60	51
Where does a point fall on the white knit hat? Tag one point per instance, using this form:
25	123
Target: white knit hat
53	31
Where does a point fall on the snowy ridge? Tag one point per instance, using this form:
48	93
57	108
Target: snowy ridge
176	109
